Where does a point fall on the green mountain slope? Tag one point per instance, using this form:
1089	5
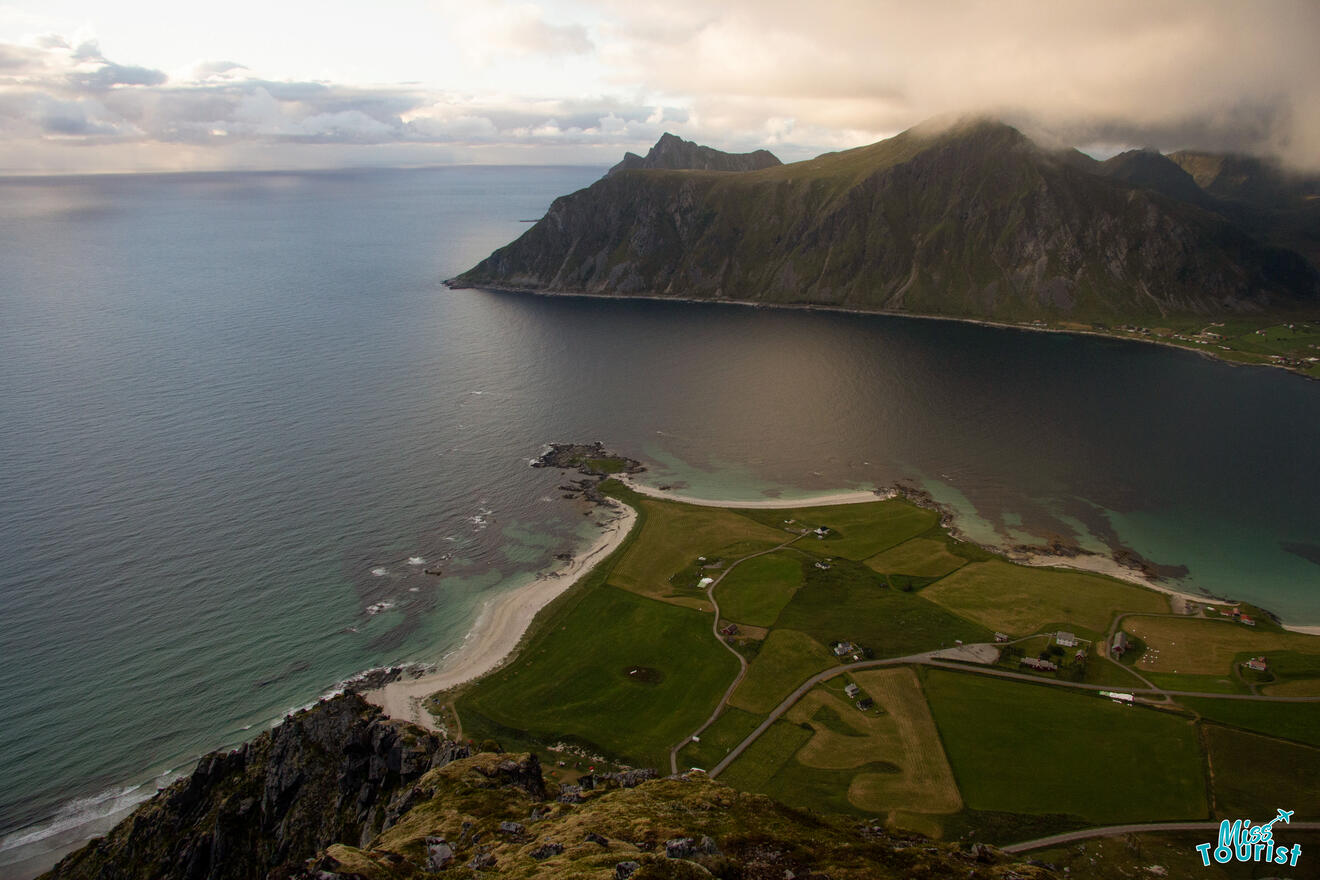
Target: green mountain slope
969	220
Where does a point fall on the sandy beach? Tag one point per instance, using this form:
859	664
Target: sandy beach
1095	564
854	497
499	628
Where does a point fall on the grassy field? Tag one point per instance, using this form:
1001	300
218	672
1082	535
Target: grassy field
857	530
787	659
903	735
764	758
1020	600
1295	721
732	727
673	536
1256	775
852	603
1210	647
1213	684
1031	749
758	589
769	767
573	680
924	557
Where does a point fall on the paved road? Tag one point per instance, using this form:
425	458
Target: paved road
1114	830
802	689
927	658
742	661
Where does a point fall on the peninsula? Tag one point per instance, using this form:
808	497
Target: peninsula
841	669
967	219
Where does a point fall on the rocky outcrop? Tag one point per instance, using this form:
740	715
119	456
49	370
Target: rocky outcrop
674	154
340	793
973	220
339	772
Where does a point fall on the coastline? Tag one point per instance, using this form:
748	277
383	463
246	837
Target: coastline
1092	563
892	313
499	629
857	496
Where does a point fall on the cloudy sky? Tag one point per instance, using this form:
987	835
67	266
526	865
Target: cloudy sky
163	85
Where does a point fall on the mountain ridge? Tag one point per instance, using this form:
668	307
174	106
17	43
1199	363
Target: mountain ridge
970	220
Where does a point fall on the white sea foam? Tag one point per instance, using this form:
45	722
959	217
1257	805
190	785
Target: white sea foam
381	571
383	605
86	811
416	560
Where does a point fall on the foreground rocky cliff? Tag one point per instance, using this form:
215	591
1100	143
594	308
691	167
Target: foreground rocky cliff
969	220
340	792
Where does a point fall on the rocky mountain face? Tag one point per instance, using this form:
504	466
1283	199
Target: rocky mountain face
673	153
340	792
969	220
338	773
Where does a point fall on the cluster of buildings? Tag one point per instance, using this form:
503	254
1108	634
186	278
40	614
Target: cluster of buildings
850	650
853	692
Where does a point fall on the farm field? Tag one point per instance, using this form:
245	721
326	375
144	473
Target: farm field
673	536
625	665
786	660
557	690
1256	775
1209	647
1035	749
924	557
757	590
857	530
1020	600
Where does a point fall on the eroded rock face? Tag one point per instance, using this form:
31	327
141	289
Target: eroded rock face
339	772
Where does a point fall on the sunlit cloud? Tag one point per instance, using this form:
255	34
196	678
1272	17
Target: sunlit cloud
585	80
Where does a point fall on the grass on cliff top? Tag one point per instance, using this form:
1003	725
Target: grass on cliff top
1020	600
1031	749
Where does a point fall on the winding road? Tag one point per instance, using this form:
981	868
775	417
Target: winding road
930	658
742	661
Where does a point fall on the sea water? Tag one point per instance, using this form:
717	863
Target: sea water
240	416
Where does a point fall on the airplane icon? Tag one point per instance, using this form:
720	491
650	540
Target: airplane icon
1285	815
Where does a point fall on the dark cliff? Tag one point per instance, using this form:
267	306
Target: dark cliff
675	154
972	220
338	773
340	792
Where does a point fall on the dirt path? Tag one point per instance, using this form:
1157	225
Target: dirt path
742	661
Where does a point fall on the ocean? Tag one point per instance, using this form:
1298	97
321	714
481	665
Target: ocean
240	415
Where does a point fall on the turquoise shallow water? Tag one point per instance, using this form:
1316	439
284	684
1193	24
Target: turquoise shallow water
233	407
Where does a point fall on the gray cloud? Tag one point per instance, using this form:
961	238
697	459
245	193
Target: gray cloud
740	74
108	76
1212	73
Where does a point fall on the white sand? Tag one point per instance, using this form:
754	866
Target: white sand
855	497
499	628
1090	563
